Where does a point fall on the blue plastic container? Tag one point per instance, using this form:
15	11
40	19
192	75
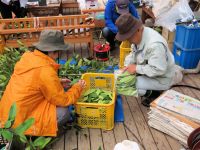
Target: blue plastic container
188	37
186	58
119	112
62	61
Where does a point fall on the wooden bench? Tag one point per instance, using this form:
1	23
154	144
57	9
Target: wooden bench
76	29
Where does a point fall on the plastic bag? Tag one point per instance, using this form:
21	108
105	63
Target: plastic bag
127	145
125	83
160	6
180	11
130	58
178	75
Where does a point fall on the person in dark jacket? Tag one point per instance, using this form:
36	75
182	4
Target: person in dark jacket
114	9
15	6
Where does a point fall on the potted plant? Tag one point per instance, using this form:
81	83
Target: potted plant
15	137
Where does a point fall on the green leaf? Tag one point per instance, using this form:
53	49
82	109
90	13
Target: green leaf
98	91
74	81
23	138
28	148
12	115
24	126
20	43
89	92
85	99
80	63
3	77
8	124
99	148
41	142
7	135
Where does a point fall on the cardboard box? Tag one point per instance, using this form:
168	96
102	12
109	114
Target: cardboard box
169	36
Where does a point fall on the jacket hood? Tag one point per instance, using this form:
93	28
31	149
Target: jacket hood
33	60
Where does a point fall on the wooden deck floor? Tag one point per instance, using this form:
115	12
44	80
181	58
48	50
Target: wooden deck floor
134	128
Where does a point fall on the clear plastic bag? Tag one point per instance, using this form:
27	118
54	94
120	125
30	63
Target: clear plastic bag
180	11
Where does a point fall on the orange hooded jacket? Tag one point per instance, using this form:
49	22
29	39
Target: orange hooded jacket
36	89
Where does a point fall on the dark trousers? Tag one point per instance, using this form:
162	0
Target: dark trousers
6	10
109	36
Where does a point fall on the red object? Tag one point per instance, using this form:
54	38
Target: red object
102	51
101	48
191	138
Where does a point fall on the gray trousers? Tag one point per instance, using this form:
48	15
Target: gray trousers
145	83
63	115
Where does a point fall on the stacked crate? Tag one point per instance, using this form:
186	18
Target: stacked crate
186	48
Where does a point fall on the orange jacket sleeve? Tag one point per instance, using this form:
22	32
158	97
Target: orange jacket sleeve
53	91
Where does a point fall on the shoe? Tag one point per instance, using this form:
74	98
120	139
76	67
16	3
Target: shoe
149	97
147	101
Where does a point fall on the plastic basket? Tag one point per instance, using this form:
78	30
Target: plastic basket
91	115
186	58
125	49
187	37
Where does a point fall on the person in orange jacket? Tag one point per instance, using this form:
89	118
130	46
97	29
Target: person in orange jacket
37	90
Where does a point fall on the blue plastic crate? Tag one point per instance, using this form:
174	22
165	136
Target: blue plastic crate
186	58
119	111
188	37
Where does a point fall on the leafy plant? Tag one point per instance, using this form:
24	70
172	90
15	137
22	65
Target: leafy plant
17	133
7	63
76	66
125	84
96	96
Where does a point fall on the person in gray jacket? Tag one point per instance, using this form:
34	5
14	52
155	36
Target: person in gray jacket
150	58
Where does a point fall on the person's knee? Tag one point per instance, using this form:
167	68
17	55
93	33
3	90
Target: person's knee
106	31
141	92
63	115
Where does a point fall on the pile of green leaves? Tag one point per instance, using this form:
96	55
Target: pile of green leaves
76	66
125	84
97	96
17	133
7	63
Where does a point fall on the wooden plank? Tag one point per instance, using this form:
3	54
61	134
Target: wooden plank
191	92
188	91
71	140
96	139
59	145
130	122
83	140
175	145
195	79
108	140
159	137
141	124
119	132
92	10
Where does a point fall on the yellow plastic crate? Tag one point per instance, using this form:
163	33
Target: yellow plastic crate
93	115
125	49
